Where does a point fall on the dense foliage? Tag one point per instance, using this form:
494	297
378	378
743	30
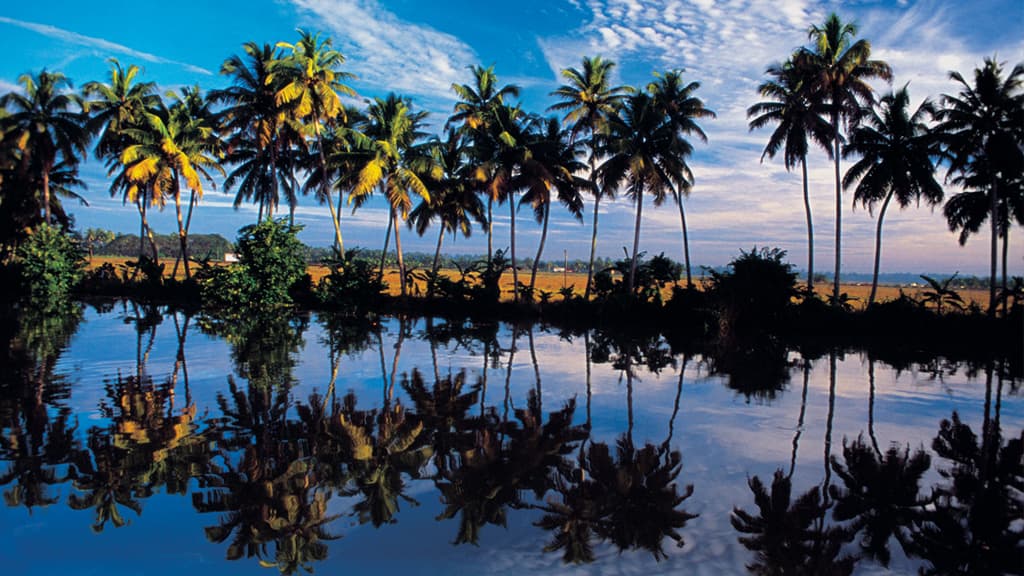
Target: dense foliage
49	264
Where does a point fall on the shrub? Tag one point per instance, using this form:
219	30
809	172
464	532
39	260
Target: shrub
270	262
352	283
754	291
49	264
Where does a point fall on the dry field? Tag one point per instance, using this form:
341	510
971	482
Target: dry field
552	282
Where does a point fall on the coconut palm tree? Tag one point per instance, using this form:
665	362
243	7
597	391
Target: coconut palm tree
588	100
310	83
453	199
896	150
642	151
172	144
677	101
473	111
982	137
550	166
838	69
393	131
797	119
48	125
254	122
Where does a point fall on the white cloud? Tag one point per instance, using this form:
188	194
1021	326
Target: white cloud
100	43
388	53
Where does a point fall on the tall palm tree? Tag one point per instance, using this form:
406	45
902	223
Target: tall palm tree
171	145
677	101
310	82
838	69
797	119
453	200
253	120
48	125
896	149
114	108
551	166
393	131
982	138
588	100
473	111
643	152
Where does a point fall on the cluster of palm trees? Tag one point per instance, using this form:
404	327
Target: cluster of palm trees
282	128
822	91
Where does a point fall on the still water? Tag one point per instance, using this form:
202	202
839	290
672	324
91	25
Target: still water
138	440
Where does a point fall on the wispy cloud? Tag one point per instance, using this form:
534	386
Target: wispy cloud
388	53
99	43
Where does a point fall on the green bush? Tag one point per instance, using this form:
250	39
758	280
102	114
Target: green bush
352	283
49	264
754	292
270	262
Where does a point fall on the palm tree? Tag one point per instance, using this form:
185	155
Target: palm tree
838	69
310	83
551	164
682	108
797	119
395	165
643	152
588	100
453	200
254	121
114	108
896	150
173	144
982	137
474	110
47	128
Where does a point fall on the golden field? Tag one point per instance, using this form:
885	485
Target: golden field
554	281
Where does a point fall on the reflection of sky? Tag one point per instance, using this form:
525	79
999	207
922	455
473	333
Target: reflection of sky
724	439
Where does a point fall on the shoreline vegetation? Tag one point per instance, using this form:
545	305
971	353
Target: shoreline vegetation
281	131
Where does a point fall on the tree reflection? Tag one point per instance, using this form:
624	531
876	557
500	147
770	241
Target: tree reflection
974	526
880	494
790	537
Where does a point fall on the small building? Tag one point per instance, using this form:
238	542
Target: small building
230	257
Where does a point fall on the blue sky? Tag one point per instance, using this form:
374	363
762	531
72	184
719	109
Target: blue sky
420	48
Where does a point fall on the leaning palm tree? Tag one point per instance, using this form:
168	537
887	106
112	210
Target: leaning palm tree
677	101
643	152
838	69
473	112
395	165
453	201
551	166
253	121
47	123
896	150
588	100
310	83
172	145
982	138
114	108
797	120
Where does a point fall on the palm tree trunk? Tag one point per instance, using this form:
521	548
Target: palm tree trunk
800	419
434	265
810	230
142	227
878	248
325	188
46	191
636	238
398	252
593	251
839	211
994	215
1006	243
686	242
259	215
149	232
387	239
512	236
540	247
871	407
275	193
182	239
341	205
828	424
490	229
536	372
